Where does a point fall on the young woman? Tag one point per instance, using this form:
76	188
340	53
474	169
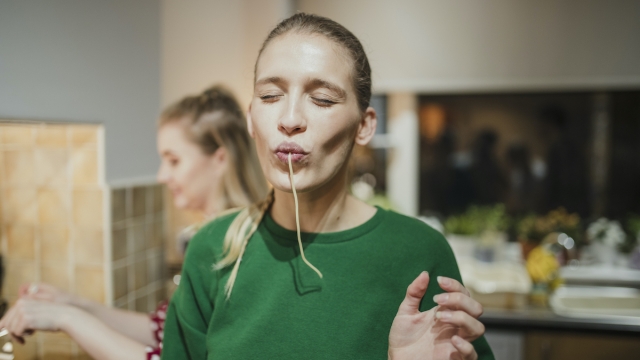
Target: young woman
311	272
209	165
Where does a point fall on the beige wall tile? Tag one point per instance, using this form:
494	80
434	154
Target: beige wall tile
51	167
120	282
156	268
142	304
16	135
82	355
160	295
56	275
54	244
139	201
18	167
56	338
82	135
87	208
20	242
90	282
53	207
19	206
88	246
1	162
18	272
28	351
58	352
51	136
118	205
157	234
158	198
140	273
119	247
85	167
138	237
122	303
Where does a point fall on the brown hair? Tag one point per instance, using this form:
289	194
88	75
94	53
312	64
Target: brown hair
214	119
247	221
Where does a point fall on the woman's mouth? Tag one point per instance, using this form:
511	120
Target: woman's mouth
284	149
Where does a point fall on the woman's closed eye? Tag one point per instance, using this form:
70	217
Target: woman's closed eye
172	161
323	102
270	98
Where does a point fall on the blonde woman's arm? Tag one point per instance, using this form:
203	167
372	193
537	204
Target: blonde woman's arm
99	340
133	325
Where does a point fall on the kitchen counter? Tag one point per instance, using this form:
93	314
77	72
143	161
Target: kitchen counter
545	319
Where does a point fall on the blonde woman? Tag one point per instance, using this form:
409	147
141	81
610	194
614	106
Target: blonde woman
311	272
209	165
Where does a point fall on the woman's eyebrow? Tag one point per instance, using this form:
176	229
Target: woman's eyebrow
318	83
276	80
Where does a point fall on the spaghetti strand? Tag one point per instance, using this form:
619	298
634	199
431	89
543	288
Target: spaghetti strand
295	200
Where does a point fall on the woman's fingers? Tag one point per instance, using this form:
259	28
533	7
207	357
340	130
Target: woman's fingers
464	348
23	290
415	292
11	322
459	301
452	285
470	326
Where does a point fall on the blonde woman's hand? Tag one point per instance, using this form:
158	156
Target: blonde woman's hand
28	315
444	332
45	292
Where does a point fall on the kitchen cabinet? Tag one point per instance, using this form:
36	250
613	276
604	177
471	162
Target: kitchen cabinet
563	345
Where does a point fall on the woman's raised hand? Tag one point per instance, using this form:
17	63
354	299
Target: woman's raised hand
28	315
444	332
46	292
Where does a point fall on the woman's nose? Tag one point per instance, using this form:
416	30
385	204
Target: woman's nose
293	121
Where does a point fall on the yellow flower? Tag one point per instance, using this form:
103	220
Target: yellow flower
542	265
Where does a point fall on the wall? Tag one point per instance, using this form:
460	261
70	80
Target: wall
208	42
496	45
137	247
86	61
51	218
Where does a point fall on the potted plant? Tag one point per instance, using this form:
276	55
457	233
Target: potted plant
532	229
478	231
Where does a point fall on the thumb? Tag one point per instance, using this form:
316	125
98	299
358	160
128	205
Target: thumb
23	290
416	290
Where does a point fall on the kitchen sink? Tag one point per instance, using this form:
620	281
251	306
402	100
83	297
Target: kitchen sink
600	275
596	302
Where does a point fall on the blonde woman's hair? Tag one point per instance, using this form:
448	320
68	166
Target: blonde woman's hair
247	221
214	119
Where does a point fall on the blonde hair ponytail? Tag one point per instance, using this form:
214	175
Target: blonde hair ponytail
235	240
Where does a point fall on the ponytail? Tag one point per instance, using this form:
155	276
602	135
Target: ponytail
235	240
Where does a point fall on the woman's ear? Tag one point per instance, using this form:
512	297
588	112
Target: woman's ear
219	157
367	127
249	123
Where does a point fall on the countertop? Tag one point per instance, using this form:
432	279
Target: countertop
545	319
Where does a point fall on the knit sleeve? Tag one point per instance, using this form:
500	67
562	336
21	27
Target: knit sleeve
191	306
446	265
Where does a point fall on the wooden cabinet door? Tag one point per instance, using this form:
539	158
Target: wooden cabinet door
569	345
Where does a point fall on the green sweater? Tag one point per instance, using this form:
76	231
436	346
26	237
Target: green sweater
281	309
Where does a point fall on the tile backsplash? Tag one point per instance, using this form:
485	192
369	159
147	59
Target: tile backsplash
137	247
61	224
52	196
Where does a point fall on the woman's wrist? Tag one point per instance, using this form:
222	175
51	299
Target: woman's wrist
81	303
69	318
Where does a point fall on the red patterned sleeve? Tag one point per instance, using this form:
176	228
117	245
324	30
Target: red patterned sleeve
157	327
